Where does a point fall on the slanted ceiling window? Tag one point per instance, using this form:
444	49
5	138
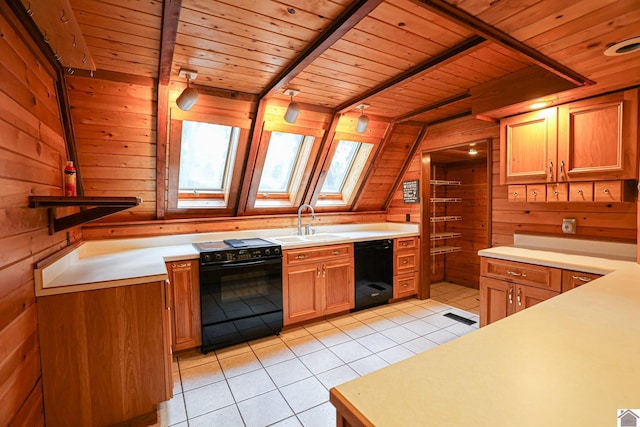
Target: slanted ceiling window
207	155
345	171
284	166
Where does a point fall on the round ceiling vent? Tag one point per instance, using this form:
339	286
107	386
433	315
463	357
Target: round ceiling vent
623	47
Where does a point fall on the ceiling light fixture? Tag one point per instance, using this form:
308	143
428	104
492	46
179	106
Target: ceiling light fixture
293	110
189	96
537	105
623	47
363	121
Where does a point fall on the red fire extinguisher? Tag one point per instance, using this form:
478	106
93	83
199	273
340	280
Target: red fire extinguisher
70	180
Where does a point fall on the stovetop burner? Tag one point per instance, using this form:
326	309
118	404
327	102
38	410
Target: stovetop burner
253	242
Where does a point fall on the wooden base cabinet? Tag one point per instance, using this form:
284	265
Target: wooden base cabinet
106	355
317	281
186	328
507	287
406	266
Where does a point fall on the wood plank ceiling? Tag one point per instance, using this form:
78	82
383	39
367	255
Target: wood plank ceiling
408	59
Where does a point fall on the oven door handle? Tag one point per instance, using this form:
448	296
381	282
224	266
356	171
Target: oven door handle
243	264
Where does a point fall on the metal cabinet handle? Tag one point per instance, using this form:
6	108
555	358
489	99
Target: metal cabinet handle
406	261
556	192
550	171
324	271
518	297
404	243
318	271
561	169
534	193
580	191
581	278
301	257
515	273
405	285
335	253
515	194
510	295
183	265
605	191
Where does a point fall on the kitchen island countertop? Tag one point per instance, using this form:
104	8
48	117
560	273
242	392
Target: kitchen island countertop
571	360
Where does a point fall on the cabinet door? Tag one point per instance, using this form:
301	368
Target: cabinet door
186	325
527	296
528	147
496	300
302	297
339	289
598	138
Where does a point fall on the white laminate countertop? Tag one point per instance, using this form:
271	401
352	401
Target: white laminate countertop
121	262
571	360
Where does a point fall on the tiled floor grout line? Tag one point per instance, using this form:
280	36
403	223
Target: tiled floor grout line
347	330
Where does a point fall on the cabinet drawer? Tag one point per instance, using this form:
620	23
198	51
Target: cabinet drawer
536	193
573	279
581	191
404	243
557	192
517	193
405	284
297	256
526	274
405	261
614	191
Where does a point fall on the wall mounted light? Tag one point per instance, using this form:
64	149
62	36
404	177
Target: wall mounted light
293	110
363	121
189	96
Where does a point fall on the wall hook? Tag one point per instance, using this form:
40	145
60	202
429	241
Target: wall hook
29	10
46	40
71	70
63	19
57	56
84	58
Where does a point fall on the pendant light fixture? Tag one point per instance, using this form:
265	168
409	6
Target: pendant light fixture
293	110
363	121
189	96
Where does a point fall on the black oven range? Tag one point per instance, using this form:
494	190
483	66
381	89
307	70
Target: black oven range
240	291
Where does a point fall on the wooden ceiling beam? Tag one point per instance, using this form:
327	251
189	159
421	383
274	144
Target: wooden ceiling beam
437	61
170	21
431	107
459	16
354	14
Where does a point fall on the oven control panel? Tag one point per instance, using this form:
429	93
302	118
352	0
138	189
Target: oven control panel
240	255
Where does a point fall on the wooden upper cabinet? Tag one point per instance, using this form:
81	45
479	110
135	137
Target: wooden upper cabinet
598	138
528	147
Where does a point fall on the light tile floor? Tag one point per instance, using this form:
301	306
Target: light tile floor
285	380
461	297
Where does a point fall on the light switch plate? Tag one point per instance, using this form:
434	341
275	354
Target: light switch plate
569	225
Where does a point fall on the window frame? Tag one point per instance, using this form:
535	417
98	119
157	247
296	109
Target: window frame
353	180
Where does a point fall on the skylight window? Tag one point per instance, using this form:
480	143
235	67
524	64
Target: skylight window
207	153
282	157
340	166
285	164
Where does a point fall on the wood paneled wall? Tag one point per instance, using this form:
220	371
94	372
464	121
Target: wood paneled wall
115	127
32	155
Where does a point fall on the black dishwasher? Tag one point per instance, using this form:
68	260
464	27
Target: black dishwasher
374	273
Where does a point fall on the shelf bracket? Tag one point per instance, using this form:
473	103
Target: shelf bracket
101	207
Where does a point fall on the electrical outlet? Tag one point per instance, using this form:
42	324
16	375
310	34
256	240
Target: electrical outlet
569	226
407	217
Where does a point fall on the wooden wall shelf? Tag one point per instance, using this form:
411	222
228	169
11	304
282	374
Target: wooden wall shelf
101	207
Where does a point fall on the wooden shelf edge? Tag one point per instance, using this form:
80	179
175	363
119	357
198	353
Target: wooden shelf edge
101	207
